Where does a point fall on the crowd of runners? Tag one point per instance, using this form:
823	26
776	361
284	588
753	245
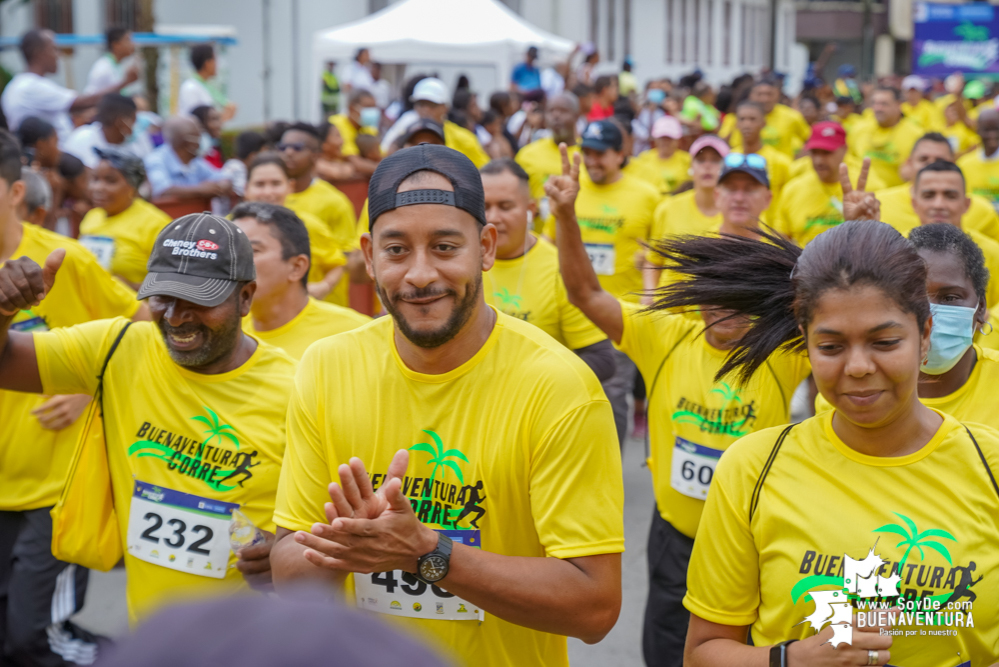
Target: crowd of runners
207	397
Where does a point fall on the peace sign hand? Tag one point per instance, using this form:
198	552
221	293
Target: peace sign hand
857	203
563	190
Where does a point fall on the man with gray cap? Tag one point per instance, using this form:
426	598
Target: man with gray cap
491	522
193	407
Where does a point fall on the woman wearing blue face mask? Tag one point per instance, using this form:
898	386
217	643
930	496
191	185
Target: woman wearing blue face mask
958	376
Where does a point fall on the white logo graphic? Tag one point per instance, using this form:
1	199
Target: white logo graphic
832	608
593	131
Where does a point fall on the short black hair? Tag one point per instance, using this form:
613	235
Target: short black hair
944	237
286	227
274	130
505	165
358	95
32	42
896	93
201	54
604	81
114	106
248	143
750	103
34	129
266	158
201	113
115	34
10	157
304	128
940	167
934	137
582	90
498	102
70	166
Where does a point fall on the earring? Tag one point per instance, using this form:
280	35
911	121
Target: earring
991	328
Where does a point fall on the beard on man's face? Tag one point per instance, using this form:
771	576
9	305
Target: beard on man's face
216	343
460	313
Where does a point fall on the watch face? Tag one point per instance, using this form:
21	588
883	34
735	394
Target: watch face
433	568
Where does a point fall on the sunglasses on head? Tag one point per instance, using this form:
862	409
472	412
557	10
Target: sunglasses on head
291	146
754	161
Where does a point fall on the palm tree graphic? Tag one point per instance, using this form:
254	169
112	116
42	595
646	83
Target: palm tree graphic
915	539
439	457
727	392
507	299
215	430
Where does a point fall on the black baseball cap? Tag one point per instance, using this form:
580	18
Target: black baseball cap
199	258
753	165
601	135
424	125
449	163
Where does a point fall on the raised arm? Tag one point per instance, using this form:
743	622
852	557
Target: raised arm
581	283
23	285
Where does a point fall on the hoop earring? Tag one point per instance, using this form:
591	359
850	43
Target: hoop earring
991	329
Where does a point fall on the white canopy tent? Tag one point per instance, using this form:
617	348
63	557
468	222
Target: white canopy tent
443	33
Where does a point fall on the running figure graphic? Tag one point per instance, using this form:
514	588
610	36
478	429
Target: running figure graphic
242	467
471	493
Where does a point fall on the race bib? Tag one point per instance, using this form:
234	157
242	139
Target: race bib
179	531
102	248
601	257
399	593
693	468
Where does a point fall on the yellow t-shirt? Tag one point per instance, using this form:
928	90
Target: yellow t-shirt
848	122
981	175
206	439
786	130
897	211
668	173
325	251
779	173
614	221
530	288
641	170
925	114
541	160
349	133
822	502
463	141
34	460
696	418
334	209
123	242
513	452
888	149
809	207
973	402
318	319
961	137
679	215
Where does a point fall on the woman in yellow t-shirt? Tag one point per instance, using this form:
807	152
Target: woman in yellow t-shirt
799	540
267	181
695	414
122	227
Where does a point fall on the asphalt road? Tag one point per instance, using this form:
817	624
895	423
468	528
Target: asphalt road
105	611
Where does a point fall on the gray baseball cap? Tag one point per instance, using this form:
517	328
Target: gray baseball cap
199	258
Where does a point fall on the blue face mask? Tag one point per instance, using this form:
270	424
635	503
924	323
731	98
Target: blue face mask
953	329
655	96
370	116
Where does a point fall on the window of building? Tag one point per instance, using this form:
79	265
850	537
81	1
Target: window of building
54	15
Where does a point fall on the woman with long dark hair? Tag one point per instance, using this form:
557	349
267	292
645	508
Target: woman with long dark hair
862	535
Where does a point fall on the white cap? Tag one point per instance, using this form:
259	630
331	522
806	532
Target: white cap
430	90
913	81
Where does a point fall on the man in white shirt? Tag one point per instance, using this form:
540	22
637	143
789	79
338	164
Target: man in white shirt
113	128
380	89
30	93
198	90
109	70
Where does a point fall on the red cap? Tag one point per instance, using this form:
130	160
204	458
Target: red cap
826	136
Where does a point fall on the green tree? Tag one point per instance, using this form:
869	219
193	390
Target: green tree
439	457
913	539
215	430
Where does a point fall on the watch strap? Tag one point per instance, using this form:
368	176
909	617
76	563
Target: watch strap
778	653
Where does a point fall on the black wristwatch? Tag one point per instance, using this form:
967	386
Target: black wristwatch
434	566
778	653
